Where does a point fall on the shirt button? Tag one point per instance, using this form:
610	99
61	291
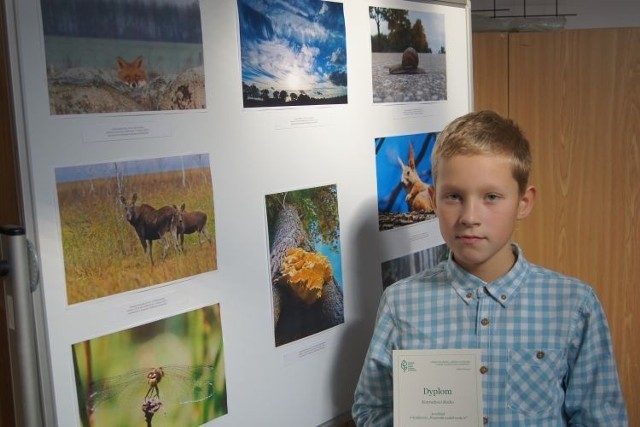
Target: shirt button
485	420
484	322
503	297
484	370
469	295
540	355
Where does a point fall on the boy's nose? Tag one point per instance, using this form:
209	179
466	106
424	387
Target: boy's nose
469	214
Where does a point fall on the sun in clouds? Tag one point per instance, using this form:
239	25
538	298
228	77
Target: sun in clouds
297	46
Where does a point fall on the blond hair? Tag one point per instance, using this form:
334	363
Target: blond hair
484	132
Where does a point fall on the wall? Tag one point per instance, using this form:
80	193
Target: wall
576	95
589	13
252	153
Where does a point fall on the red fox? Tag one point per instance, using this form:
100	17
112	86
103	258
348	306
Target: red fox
132	73
418	198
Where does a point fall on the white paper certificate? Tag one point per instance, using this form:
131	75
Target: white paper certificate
437	388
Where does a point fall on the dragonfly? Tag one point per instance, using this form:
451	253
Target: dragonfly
171	385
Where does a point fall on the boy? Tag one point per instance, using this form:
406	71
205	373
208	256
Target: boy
547	358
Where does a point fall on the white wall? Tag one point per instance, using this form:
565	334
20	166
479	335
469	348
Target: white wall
253	153
589	13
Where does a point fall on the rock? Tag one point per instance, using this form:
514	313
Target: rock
90	90
409	63
185	92
410	58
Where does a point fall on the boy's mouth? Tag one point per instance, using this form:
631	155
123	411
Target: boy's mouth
469	239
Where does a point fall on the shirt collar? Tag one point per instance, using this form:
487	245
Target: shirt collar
502	290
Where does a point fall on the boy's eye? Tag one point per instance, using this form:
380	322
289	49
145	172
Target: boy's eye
452	196
492	197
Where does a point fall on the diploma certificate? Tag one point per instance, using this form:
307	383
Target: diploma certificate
437	388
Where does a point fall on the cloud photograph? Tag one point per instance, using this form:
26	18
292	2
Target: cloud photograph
292	53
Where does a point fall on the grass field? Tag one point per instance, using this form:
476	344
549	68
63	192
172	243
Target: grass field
102	253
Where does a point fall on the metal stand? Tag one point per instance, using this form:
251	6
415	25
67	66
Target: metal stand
15	268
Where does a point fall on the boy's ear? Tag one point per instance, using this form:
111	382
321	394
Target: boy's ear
527	200
432	195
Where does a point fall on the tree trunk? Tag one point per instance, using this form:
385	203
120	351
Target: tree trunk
293	318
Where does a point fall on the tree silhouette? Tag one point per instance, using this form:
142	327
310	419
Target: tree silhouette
418	37
378	14
401	33
399	29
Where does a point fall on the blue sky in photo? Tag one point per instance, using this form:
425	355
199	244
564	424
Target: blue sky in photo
294	45
334	257
131	167
433	24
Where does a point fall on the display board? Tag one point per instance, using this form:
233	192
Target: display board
220	190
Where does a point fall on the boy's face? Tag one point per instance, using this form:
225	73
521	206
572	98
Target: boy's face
478	203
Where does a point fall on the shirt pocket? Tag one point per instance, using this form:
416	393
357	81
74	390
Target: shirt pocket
534	380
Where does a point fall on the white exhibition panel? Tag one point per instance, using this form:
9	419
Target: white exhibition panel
252	153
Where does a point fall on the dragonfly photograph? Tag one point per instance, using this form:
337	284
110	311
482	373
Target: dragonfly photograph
165	373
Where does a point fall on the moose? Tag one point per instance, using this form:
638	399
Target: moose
188	223
150	224
417	198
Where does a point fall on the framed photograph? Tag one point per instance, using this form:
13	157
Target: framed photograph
408	55
305	259
403	173
170	372
131	224
118	56
293	53
408	265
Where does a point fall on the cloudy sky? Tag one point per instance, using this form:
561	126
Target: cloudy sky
294	45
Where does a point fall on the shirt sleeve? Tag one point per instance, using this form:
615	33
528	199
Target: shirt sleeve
373	400
593	394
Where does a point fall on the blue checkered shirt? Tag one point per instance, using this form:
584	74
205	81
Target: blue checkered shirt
544	338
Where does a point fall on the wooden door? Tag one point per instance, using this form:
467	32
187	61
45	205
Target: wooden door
491	72
576	94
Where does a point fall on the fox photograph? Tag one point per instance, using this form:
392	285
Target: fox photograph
170	372
112	56
132	224
403	174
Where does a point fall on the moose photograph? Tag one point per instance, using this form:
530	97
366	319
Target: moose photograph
403	174
132	224
170	372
